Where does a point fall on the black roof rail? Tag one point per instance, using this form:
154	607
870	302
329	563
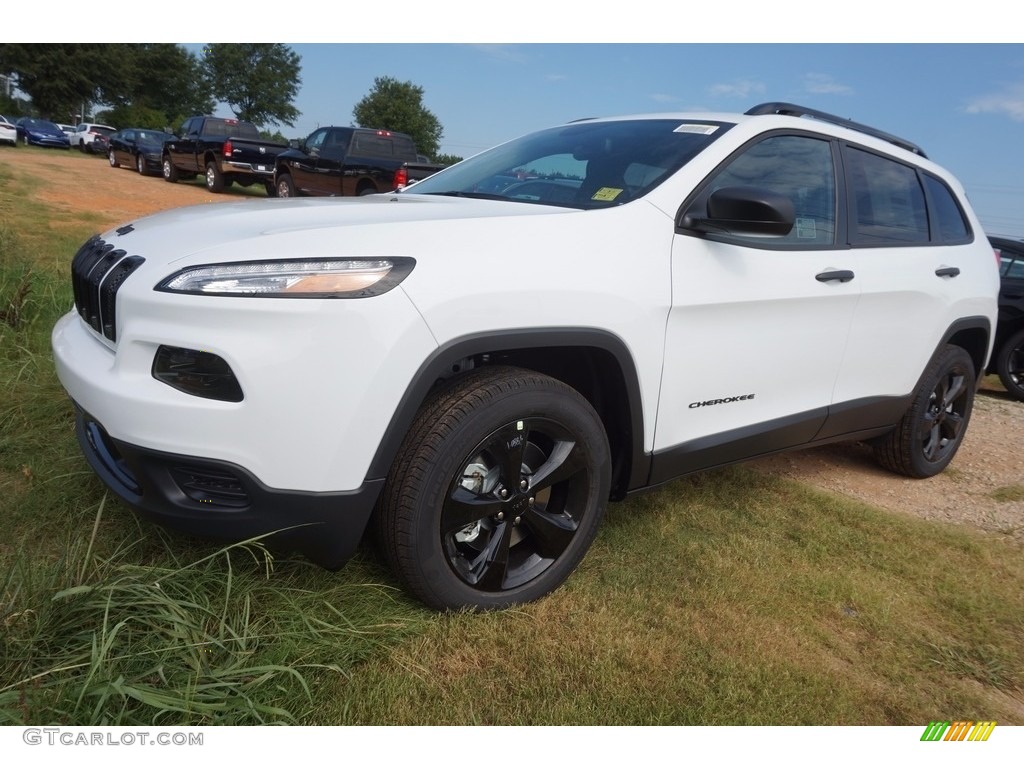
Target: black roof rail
795	110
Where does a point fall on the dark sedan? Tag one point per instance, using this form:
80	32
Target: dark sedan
42	133
1008	355
140	148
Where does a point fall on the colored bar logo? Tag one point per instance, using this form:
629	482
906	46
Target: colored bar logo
959	730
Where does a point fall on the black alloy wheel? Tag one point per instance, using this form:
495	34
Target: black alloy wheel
930	432
497	491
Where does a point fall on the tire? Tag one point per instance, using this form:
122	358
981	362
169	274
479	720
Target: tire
284	186
367	191
497	491
170	172
81	146
112	159
140	165
1010	364
930	432
214	178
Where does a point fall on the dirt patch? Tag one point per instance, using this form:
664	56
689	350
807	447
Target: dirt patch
73	182
983	487
976	488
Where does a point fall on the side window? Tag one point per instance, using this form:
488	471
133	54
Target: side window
1011	263
316	140
799	167
887	199
949	225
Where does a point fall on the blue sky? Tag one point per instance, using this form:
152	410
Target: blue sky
546	62
962	103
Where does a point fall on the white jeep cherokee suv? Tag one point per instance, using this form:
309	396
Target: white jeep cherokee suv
479	363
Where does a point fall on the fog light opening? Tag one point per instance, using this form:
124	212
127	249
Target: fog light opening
197	372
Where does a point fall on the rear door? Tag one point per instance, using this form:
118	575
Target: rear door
912	269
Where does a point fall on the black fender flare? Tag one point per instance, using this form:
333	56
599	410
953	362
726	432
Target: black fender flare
438	366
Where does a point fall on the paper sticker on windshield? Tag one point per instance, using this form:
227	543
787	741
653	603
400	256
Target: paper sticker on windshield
704	130
606	194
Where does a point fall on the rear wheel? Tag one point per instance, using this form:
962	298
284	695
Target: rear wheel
140	165
497	491
1010	364
112	159
930	432
214	178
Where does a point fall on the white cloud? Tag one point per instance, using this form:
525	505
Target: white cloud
739	89
1010	103
815	82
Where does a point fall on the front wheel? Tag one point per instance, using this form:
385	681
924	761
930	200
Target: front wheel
140	165
284	186
497	491
1010	364
930	432
170	172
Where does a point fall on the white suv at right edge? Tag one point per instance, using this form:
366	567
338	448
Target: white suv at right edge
480	362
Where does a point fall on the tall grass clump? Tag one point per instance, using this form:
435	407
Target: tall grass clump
221	640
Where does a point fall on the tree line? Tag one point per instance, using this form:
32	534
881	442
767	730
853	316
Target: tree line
158	85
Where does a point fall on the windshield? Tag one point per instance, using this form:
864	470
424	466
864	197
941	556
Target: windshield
580	165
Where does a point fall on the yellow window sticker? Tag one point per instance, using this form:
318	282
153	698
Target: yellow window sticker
606	194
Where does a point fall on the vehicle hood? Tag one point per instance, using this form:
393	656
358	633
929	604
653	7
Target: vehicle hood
390	224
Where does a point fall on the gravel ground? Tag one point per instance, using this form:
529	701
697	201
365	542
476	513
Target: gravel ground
967	493
988	466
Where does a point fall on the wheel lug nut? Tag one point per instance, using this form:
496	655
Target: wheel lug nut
522	485
517	521
504	493
501	515
532	499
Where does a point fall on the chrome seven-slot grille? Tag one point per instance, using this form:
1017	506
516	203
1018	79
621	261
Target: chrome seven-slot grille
97	272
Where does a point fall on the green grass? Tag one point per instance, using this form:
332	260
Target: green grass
730	597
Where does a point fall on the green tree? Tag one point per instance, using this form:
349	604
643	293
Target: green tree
258	80
447	159
59	78
146	85
398	106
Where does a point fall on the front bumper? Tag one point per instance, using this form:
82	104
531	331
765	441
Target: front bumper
219	500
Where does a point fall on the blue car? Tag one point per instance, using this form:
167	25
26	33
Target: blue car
42	133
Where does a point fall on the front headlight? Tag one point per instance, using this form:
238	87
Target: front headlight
322	278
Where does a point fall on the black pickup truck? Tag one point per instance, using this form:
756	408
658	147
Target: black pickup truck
226	150
335	161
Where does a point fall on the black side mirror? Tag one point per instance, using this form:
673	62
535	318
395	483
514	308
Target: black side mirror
294	144
744	211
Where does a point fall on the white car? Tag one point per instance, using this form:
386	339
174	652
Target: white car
84	134
482	362
8	131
